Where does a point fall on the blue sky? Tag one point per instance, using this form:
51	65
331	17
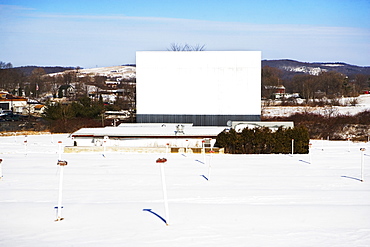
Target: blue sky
105	33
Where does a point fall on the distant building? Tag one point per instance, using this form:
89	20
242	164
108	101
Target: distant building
66	91
278	92
9	102
118	115
174	136
39	109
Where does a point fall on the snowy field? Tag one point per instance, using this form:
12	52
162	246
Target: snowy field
249	200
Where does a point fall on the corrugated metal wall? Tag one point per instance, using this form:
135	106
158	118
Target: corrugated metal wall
197	120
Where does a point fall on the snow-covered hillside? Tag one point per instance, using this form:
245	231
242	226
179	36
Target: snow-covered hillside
115	71
111	72
249	200
305	69
285	111
287	65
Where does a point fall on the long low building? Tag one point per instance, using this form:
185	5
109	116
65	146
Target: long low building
158	137
148	135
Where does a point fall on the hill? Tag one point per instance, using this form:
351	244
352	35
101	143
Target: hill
291	67
27	70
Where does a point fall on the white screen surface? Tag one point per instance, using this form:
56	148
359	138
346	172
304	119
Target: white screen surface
199	82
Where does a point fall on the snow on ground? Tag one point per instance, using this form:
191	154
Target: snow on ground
249	200
124	71
286	111
113	71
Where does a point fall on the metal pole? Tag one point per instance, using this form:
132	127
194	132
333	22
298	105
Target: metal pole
348	144
59	208
25	145
292	146
362	164
209	164
60	149
59	216
167	149
1	170
164	189
204	151
322	144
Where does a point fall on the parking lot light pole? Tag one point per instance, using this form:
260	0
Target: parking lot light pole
62	164
362	163
1	170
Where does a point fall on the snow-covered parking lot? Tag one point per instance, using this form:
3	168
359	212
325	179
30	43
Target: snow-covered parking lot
248	200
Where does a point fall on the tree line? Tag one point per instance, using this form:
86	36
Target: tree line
327	84
310	87
70	117
39	85
264	140
332	126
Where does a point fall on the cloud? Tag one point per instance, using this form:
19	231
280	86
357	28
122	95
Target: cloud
4	7
85	38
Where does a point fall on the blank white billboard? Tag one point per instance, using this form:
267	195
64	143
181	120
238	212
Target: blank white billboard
199	82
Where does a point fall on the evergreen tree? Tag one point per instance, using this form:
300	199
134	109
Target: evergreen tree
264	141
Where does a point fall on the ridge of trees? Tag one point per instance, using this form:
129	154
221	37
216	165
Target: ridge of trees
344	68
330	84
27	70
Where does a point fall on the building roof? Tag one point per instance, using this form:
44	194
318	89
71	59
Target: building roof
66	86
9	97
39	106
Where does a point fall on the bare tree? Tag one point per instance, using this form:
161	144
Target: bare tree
186	47
4	65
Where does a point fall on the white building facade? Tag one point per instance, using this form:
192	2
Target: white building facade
206	88
148	135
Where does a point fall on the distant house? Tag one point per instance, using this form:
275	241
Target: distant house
280	89
16	104
39	109
33	108
278	92
66	91
112	84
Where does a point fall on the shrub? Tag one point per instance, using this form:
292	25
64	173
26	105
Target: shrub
264	141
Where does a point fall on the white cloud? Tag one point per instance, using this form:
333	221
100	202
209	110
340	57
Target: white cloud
13	8
117	38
